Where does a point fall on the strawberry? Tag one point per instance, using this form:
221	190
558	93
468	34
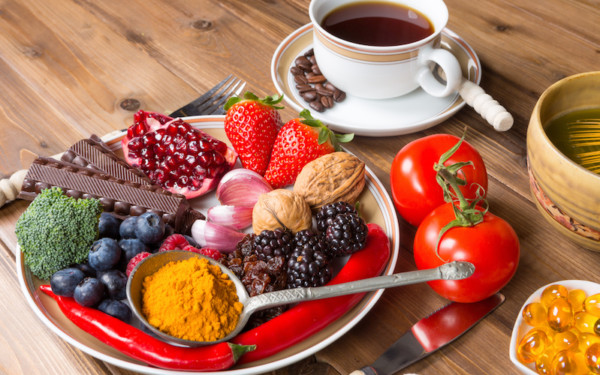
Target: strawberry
299	142
251	124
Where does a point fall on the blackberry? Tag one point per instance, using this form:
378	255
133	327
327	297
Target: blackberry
328	212
270	243
308	265
346	234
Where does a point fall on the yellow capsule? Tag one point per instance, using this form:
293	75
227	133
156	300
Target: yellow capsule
532	345
534	314
592	358
592	304
576	298
552	292
585	322
586	340
543	363
560	314
567	362
566	340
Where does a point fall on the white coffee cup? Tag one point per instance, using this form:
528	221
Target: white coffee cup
376	72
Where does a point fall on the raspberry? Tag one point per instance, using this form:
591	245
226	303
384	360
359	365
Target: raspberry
135	260
209	252
174	242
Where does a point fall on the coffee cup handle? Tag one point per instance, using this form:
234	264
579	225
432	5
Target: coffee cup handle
447	63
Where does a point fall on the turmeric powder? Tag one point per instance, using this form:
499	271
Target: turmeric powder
191	299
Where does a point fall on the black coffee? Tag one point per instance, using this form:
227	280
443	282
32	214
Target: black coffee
376	23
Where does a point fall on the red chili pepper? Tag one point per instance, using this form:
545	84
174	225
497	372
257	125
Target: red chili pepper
307	318
141	346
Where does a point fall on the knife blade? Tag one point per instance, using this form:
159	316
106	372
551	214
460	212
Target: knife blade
430	334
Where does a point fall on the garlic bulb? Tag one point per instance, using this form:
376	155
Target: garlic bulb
235	217
215	236
241	187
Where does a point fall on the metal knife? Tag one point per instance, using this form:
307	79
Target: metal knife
431	333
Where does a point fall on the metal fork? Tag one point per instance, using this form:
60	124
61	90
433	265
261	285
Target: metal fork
211	103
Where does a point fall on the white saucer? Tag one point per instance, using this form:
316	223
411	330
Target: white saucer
375	118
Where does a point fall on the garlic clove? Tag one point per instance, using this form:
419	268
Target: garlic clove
216	236
241	187
235	217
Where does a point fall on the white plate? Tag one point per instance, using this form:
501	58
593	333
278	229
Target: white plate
521	328
376	206
375	118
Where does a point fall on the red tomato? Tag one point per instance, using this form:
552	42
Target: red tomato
414	188
492	246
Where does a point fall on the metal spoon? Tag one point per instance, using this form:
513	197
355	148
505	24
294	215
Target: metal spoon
449	271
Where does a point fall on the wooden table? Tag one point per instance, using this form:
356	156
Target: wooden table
70	69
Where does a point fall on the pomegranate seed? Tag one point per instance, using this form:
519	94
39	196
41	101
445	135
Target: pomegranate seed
181	146
205	159
196	182
192	136
160	150
171	148
145	153
167	139
169	184
190	160
148	139
199	172
170	161
172	129
218	158
204	144
149	164
183	128
184	170
193	147
179	157
160	176
135	144
183	181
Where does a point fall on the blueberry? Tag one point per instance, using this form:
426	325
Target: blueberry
63	282
127	227
108	225
104	254
131	247
89	292
149	228
116	309
86	269
114	281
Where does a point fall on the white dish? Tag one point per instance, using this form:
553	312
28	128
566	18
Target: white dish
377	207
521	328
375	118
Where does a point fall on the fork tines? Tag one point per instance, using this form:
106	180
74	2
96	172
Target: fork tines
212	101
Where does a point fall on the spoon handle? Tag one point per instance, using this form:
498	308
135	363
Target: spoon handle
450	271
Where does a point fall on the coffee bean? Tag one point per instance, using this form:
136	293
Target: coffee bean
317	106
310	96
322	90
296	71
300	79
315	78
327	101
303	63
339	95
304	88
310	52
315	69
330	86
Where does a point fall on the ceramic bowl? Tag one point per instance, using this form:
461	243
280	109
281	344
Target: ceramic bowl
521	328
567	194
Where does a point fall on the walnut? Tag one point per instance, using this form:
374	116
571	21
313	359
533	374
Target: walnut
281	208
334	177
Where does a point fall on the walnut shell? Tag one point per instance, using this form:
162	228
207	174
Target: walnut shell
281	208
334	177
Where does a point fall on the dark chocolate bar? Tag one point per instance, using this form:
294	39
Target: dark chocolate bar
122	198
95	154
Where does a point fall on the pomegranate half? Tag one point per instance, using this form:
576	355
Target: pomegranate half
175	155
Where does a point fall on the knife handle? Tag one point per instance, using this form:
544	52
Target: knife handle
367	370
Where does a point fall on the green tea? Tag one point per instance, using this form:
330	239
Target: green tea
577	135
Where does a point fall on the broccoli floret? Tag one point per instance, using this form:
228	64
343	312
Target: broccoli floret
56	231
